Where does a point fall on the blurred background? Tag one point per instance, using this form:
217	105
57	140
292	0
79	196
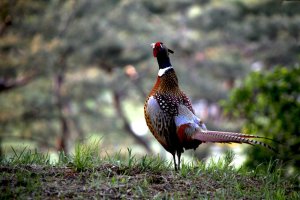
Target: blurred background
78	71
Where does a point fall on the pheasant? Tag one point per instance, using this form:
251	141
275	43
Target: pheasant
171	118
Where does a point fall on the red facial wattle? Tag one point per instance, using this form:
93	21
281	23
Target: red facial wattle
156	48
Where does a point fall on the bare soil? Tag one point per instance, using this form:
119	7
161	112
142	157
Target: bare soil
112	182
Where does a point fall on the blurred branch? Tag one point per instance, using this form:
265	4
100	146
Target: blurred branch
3	26
1	150
40	141
136	79
126	124
8	84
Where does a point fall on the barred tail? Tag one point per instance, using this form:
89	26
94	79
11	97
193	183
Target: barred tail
230	137
243	135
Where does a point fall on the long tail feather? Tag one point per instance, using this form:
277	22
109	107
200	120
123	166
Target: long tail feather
229	137
243	135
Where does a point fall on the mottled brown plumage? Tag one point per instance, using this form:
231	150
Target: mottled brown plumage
171	118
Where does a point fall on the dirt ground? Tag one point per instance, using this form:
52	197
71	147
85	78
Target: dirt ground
112	182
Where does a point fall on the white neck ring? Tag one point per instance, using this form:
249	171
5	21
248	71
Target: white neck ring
163	71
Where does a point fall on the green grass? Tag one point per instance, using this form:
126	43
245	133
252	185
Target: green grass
85	155
27	157
86	175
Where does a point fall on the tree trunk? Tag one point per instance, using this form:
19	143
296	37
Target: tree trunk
59	78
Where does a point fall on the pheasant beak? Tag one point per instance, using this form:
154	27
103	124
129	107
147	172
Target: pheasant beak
153	45
170	51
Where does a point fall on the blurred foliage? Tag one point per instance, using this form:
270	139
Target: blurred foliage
74	69
269	102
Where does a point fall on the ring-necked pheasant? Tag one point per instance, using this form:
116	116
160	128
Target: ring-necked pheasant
171	117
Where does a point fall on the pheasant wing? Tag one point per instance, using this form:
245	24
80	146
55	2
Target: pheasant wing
161	123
